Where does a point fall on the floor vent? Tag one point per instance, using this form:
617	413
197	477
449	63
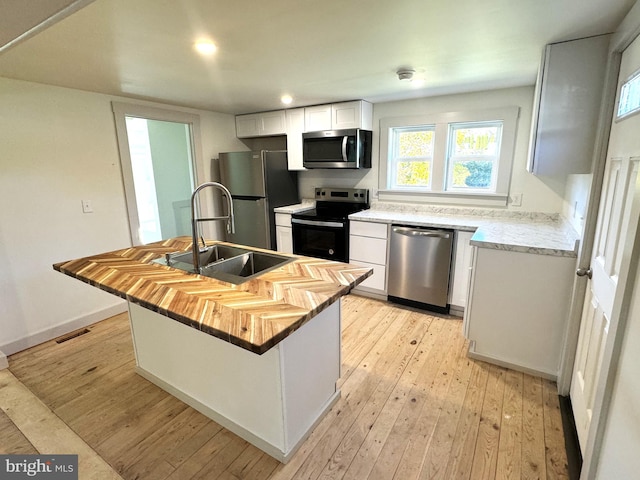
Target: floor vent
71	335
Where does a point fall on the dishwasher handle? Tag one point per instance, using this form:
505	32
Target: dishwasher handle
410	232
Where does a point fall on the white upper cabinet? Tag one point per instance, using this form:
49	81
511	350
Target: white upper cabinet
317	118
261	124
295	128
566	106
356	114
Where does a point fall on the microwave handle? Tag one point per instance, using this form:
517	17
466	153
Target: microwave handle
344	148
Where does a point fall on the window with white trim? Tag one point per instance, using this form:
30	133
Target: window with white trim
458	156
412	157
473	154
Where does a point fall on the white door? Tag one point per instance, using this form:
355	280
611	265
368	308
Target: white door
158	151
621	173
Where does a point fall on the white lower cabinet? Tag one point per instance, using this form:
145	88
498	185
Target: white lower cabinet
368	248
518	308
460	271
284	235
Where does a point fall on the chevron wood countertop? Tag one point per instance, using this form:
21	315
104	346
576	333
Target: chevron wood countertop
254	315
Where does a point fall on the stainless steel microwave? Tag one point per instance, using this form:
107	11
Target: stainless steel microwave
337	149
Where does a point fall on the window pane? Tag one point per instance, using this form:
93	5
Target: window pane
472	174
476	141
415	144
412	174
472	156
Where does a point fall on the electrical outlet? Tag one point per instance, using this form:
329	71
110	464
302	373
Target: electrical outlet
516	200
86	206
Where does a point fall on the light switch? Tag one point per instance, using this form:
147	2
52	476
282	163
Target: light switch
86	206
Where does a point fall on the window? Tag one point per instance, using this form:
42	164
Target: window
458	157
472	156
412	157
629	100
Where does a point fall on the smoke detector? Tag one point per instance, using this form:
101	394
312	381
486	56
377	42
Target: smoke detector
405	74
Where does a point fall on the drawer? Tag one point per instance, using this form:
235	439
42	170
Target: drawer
376	281
283	219
368	229
368	249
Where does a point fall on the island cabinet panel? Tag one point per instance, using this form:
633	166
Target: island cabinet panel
271	400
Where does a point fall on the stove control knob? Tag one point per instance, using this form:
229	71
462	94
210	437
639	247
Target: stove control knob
331	252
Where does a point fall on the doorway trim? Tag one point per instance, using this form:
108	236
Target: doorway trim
120	112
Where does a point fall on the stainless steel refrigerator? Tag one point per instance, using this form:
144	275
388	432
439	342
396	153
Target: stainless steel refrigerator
259	182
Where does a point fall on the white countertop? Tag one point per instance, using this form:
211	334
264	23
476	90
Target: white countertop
539	233
305	204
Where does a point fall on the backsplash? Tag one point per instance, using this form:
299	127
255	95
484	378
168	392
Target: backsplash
465	211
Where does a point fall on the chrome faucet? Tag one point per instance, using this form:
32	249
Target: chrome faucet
194	220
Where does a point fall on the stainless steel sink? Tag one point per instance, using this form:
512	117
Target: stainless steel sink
229	264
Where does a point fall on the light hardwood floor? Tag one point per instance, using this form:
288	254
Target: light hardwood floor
413	406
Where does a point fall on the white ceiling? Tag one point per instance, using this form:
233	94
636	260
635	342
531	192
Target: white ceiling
318	52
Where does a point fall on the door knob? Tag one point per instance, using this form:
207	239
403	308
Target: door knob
584	272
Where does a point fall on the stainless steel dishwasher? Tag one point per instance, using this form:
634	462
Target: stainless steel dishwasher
419	265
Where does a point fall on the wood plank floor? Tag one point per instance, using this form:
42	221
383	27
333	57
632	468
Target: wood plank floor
413	406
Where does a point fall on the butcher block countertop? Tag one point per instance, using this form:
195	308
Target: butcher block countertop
254	315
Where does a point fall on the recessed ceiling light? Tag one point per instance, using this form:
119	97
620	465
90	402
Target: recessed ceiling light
205	47
286	99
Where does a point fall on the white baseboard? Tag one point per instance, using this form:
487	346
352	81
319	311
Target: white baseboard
471	353
57	330
4	363
370	293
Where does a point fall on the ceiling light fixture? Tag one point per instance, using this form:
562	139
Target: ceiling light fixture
405	74
286	99
205	47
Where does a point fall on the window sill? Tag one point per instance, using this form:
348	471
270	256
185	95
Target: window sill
450	198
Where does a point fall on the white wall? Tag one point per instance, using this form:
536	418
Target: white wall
58	147
576	196
536	195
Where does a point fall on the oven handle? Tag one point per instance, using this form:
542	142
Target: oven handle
316	223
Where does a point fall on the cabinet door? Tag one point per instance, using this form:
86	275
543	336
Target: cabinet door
461	266
317	118
568	94
377	280
368	229
295	127
284	240
367	249
273	123
358	114
248	126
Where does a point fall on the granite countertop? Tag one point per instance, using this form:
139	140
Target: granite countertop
539	233
305	204
254	315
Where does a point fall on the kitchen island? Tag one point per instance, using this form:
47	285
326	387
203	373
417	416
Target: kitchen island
261	357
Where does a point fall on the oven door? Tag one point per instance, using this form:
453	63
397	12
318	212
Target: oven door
321	239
